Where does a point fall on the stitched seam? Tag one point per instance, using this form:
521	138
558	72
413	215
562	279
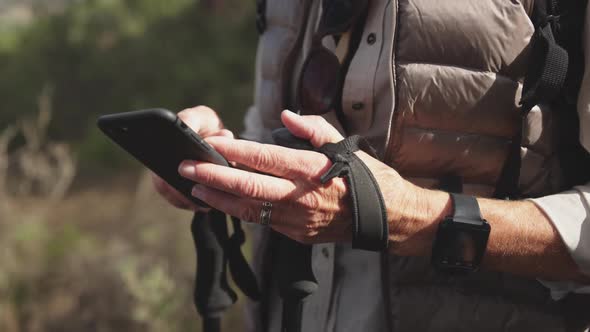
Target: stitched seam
471	69
459	133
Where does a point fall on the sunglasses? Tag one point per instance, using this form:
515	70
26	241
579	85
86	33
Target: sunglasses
320	78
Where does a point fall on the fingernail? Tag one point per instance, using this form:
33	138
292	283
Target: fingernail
187	169
291	113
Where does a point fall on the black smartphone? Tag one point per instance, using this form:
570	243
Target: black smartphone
161	141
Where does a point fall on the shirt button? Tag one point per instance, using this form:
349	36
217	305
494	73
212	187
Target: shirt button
358	106
371	38
325	252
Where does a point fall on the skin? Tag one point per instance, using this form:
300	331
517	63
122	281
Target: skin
522	241
206	122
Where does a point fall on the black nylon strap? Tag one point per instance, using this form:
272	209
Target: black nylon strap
240	270
370	228
543	83
212	293
260	16
215	251
465	208
547	72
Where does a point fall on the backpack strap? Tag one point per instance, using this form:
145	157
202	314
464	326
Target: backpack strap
260	16
548	67
549	72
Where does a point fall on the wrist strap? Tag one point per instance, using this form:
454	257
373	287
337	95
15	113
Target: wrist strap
370	229
465	208
369	224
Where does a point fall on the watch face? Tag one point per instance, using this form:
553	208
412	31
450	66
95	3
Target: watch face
460	246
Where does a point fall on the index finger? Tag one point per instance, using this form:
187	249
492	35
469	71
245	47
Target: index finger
202	120
273	159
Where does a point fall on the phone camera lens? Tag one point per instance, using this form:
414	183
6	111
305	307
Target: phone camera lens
123	129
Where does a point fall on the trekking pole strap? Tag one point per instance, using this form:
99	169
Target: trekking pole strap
543	83
370	230
215	251
212	294
370	227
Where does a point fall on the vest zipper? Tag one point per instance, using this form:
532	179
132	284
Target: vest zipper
385	266
387	156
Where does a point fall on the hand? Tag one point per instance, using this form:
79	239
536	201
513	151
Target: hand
205	122
303	208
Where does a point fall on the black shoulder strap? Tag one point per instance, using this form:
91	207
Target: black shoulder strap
553	76
573	157
549	61
261	16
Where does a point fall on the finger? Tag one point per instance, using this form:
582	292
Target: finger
236	181
168	191
244	208
311	127
273	159
201	119
169	197
173	196
249	210
225	133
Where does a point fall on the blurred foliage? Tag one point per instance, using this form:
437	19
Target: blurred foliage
112	256
107	56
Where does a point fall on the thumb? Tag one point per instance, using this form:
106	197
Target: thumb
311	127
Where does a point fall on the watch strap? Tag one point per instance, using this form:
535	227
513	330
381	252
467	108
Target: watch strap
465	208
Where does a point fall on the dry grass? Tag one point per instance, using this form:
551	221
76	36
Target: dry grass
102	259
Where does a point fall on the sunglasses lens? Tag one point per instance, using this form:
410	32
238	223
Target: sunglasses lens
318	84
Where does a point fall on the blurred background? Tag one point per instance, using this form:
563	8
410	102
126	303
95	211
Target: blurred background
85	243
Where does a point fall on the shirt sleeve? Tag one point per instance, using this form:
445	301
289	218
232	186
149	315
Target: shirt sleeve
570	211
570	214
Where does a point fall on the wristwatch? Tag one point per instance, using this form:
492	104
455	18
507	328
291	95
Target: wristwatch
461	239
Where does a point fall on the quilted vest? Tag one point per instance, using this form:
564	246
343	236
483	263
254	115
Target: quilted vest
454	81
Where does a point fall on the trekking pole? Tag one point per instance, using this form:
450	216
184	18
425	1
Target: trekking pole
296	281
295	274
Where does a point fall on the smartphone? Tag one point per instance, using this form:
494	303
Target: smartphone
160	141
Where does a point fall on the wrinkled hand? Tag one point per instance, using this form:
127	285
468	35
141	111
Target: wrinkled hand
303	208
205	122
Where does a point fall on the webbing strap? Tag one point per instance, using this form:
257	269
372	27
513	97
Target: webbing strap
240	270
260	16
212	293
547	71
370	228
215	251
543	83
